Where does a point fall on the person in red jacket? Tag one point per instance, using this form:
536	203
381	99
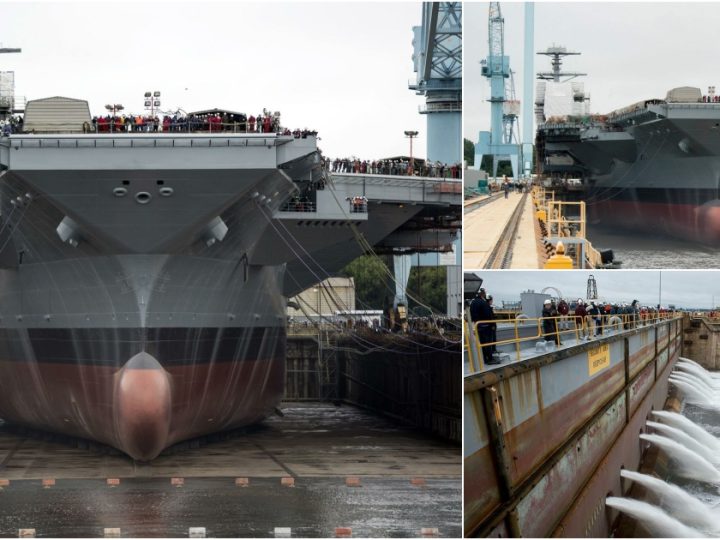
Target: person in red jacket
581	319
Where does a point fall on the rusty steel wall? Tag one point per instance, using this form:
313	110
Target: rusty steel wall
414	385
536	431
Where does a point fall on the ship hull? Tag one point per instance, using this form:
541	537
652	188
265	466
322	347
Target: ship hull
691	217
83	401
141	322
659	173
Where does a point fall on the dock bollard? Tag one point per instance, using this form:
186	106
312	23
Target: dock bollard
111	532
283	532
177	482
113	482
48	482
26	533
196	532
287	481
343	532
242	482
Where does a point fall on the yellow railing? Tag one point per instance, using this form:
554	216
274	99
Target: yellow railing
560	225
554	214
567	325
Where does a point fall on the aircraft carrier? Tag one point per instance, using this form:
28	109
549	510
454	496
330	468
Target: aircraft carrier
145	276
651	166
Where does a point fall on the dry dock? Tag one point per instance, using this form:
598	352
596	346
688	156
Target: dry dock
369	440
317	445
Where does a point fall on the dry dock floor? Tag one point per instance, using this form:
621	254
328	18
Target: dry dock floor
319	445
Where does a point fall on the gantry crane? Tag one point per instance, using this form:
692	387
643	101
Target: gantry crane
504	110
437	59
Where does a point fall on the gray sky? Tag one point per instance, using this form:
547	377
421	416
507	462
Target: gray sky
630	51
339	68
684	288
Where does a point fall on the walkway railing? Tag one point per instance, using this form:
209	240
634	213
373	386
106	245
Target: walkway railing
570	326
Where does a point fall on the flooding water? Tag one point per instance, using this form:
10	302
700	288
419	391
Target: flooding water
640	250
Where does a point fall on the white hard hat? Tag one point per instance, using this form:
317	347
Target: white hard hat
546	302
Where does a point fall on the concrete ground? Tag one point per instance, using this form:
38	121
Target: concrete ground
525	251
319	445
483	227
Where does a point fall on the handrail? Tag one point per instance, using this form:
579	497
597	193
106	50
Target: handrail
607	323
397	180
159	128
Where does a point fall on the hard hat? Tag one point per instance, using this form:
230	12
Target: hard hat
546	302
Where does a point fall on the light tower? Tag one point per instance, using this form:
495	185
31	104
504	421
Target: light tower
528	134
496	67
437	59
592	293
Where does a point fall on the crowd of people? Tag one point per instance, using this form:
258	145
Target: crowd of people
588	319
13	124
210	121
393	167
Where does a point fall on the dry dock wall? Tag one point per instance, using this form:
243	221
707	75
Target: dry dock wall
701	341
545	438
414	381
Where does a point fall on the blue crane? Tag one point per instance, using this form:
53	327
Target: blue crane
501	141
437	60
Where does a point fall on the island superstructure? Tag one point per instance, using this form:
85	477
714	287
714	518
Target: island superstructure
653	165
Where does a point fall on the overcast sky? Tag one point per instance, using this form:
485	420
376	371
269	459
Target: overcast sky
630	51
683	288
341	69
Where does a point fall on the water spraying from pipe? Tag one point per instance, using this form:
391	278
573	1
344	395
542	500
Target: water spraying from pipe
686	440
690	464
689	427
694	363
657	522
697	381
678	502
702	374
692	394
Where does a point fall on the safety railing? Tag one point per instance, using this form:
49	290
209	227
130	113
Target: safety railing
358	205
571	231
575	326
558	222
298	206
155	128
396	181
385	170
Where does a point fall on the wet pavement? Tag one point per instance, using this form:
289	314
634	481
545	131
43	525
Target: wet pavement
317	445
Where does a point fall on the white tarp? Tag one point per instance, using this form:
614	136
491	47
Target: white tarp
7	83
558	100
